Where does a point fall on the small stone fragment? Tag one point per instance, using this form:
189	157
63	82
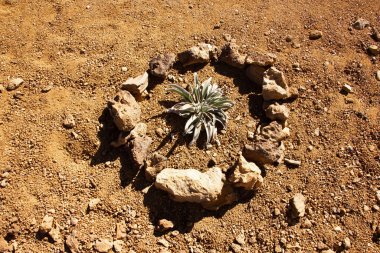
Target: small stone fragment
14	83
375	35
246	175
360	24
306	224
55	235
121	230
47	88
378	75
69	121
347	88
373	50
2	88
277	112
203	53
136	86
240	238
4	247
163	242
276	212
161	64
346	243
378	196
164	225
315	34
297	205
139	148
231	56
93	203
124	69
236	248
103	245
118	246
125	111
72	244
293	163
46	224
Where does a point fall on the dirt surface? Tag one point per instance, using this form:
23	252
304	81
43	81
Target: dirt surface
79	49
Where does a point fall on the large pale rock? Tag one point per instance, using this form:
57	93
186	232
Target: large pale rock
277	112
139	148
125	111
261	59
161	64
136	86
246	175
190	185
202	53
231	56
274	85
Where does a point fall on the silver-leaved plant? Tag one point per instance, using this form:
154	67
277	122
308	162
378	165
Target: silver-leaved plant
204	105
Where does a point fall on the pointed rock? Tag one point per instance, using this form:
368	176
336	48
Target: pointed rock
274	85
139	148
246	175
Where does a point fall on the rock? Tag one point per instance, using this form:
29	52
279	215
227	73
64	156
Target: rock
276	212
4	247
2	88
172	78
161	64
14	83
306	224
277	112
322	246
69	121
327	251
236	248
274	85
136	86
203	53
124	69
125	111
240	238
121	230
47	88
103	245
360	24
255	74
55	235
347	88
118	245
72	244
373	50
378	75
164	225
246	175
139	148
378	196
231	56
93	203
160	132
152	172
190	185
315	34
46	224
293	163
375	35
297	205
346	243
140	130
260	59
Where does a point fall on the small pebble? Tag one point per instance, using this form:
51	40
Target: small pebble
93	203
236	248
171	78
347	88
276	212
373	50
69	121
124	69
346	243
47	88
240	238
291	162
315	34
250	135
375	208
378	75
338	229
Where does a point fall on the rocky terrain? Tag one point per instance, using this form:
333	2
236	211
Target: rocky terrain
91	160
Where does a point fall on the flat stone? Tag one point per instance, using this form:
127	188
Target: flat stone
246	175
125	111
347	88
14	83
136	86
103	245
164	225
294	163
202	53
161	64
